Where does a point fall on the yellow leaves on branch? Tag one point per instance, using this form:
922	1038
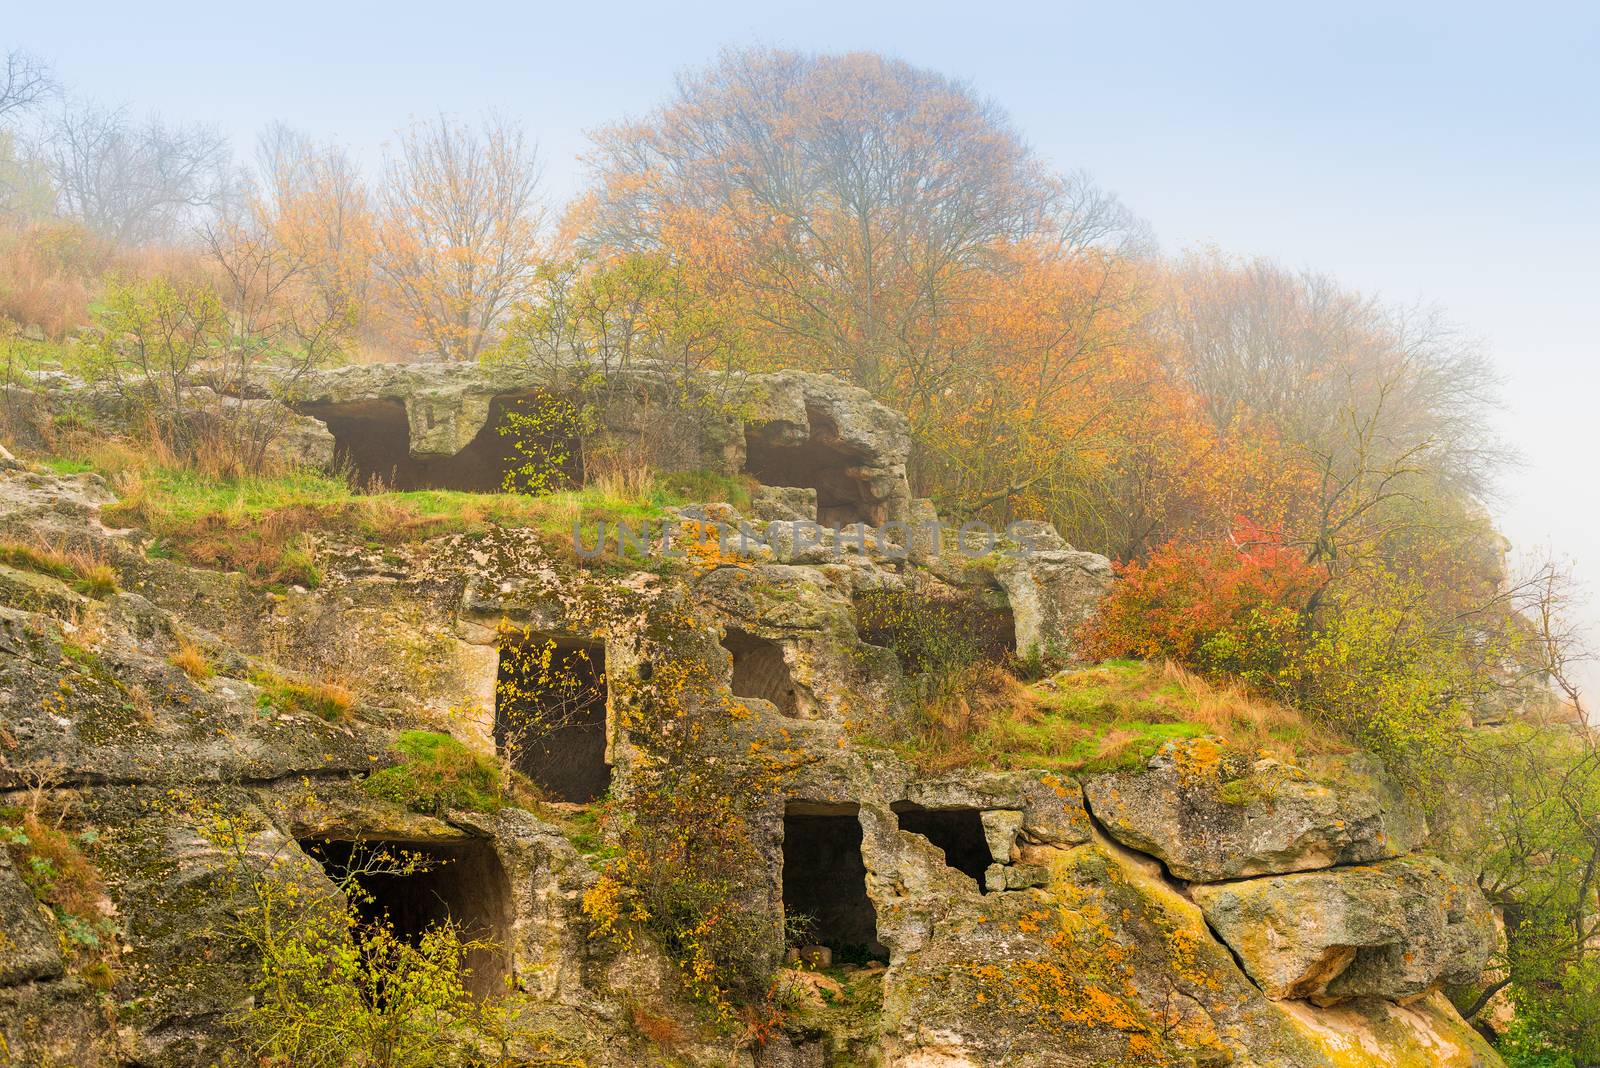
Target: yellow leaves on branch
458	231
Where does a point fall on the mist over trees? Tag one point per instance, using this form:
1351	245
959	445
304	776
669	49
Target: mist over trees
1291	474
24	83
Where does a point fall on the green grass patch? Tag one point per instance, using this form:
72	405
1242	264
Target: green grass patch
703	487
1111	717
66	465
585	829
262	526
437	773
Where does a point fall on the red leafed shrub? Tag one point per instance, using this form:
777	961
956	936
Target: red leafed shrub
1223	607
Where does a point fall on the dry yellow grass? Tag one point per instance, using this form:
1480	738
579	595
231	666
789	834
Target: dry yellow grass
1248	721
192	661
84	569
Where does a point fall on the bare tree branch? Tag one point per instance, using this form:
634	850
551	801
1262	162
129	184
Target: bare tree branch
25	82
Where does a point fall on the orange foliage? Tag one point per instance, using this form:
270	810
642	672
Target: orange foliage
1233	607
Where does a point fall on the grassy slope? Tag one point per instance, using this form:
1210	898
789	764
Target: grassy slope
1115	715
259	524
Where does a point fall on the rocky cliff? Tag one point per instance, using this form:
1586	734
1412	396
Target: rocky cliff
1195	905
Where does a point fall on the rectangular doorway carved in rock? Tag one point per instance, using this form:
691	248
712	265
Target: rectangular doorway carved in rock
759	670
825	898
550	715
460	881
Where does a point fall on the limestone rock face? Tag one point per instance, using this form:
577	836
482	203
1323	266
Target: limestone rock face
1028	919
785	504
1052	588
1210	813
52	505
29	951
806	430
1392	930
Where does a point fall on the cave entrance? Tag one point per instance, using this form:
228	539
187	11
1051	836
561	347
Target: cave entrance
994	626
372	441
759	670
460	881
822	464
825	898
550	715
936	627
957	831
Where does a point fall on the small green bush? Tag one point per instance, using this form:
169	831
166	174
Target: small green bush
436	774
927	634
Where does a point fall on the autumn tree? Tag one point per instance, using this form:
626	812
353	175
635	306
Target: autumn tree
854	199
25	190
25	82
313	203
1054	368
1260	343
587	318
1339	417
282	318
856	214
458	232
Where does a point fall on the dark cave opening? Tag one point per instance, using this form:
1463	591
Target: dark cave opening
825	898
550	715
957	831
372	442
822	464
459	881
933	629
759	670
994	627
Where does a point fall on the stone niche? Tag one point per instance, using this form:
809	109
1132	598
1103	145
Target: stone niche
825	898
760	670
550	707
957	831
461	881
372	441
822	462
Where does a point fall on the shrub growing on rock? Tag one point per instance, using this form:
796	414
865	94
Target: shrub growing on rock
1221	607
436	774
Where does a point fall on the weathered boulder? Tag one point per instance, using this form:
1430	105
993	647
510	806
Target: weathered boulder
1052	588
784	504
1103	965
1391	930
52	508
1371	1033
1211	813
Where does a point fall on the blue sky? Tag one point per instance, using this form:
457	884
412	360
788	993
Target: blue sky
1437	153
